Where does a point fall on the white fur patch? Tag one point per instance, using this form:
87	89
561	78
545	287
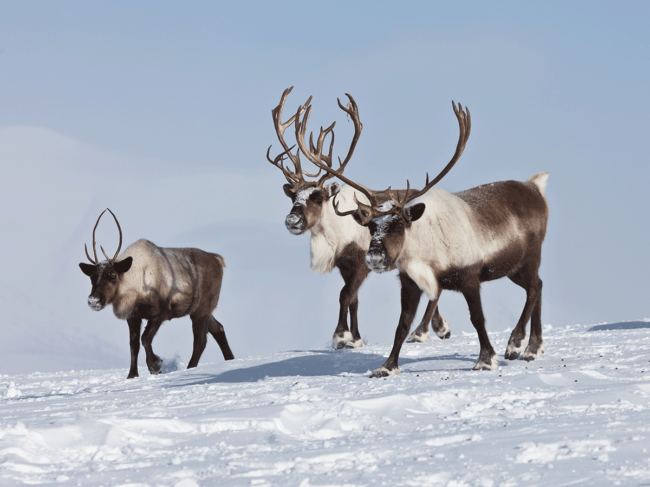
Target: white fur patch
484	366
539	180
333	233
512	349
346	338
449	235
303	195
416	337
533	356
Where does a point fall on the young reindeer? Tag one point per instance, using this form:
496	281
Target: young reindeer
158	284
463	239
335	242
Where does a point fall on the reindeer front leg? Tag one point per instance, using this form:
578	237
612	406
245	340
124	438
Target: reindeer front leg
438	325
135	325
410	296
487	359
354	271
154	362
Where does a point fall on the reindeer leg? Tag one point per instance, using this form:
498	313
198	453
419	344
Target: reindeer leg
487	359
410	296
532	284
216	330
200	331
154	362
354	271
135	325
438	324
535	347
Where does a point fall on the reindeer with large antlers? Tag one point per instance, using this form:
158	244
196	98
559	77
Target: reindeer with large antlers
158	284
335	242
466	238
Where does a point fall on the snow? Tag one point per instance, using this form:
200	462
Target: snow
579	415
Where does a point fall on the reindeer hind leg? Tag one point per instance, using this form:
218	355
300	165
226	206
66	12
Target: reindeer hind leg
216	330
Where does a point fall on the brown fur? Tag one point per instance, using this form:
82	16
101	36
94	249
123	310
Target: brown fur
499	233
161	284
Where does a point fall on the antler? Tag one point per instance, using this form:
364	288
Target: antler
296	179
465	125
111	261
314	153
374	210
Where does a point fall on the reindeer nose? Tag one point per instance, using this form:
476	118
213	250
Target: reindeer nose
376	260
292	219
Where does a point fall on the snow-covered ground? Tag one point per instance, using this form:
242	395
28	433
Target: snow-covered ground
580	415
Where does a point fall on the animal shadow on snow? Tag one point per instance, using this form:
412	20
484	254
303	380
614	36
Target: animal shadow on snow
322	363
623	325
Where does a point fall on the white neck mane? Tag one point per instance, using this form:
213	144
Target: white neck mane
333	233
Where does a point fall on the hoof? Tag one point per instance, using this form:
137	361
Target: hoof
443	330
384	372
515	348
418	337
342	341
155	368
132	376
487	364
533	352
511	355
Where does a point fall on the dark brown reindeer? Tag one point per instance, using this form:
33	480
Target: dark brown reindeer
335	242
158	284
463	239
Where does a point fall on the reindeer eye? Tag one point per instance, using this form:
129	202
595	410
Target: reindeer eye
318	199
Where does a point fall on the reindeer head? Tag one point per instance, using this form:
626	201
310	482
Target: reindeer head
390	221
104	276
308	197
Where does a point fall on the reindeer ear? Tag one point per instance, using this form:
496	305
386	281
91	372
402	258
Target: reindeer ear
87	269
332	189
123	266
413	213
288	192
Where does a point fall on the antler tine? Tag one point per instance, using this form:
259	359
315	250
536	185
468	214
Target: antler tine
281	127
86	249
119	229
353	112
465	125
96	261
277	162
336	208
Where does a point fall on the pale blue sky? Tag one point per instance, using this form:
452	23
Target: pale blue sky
161	110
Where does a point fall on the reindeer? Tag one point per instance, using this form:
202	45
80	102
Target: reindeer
335	242
464	239
158	284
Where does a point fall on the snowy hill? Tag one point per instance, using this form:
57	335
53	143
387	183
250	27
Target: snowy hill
579	416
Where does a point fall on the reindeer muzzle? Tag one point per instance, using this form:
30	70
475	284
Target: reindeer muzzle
377	261
94	303
295	223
